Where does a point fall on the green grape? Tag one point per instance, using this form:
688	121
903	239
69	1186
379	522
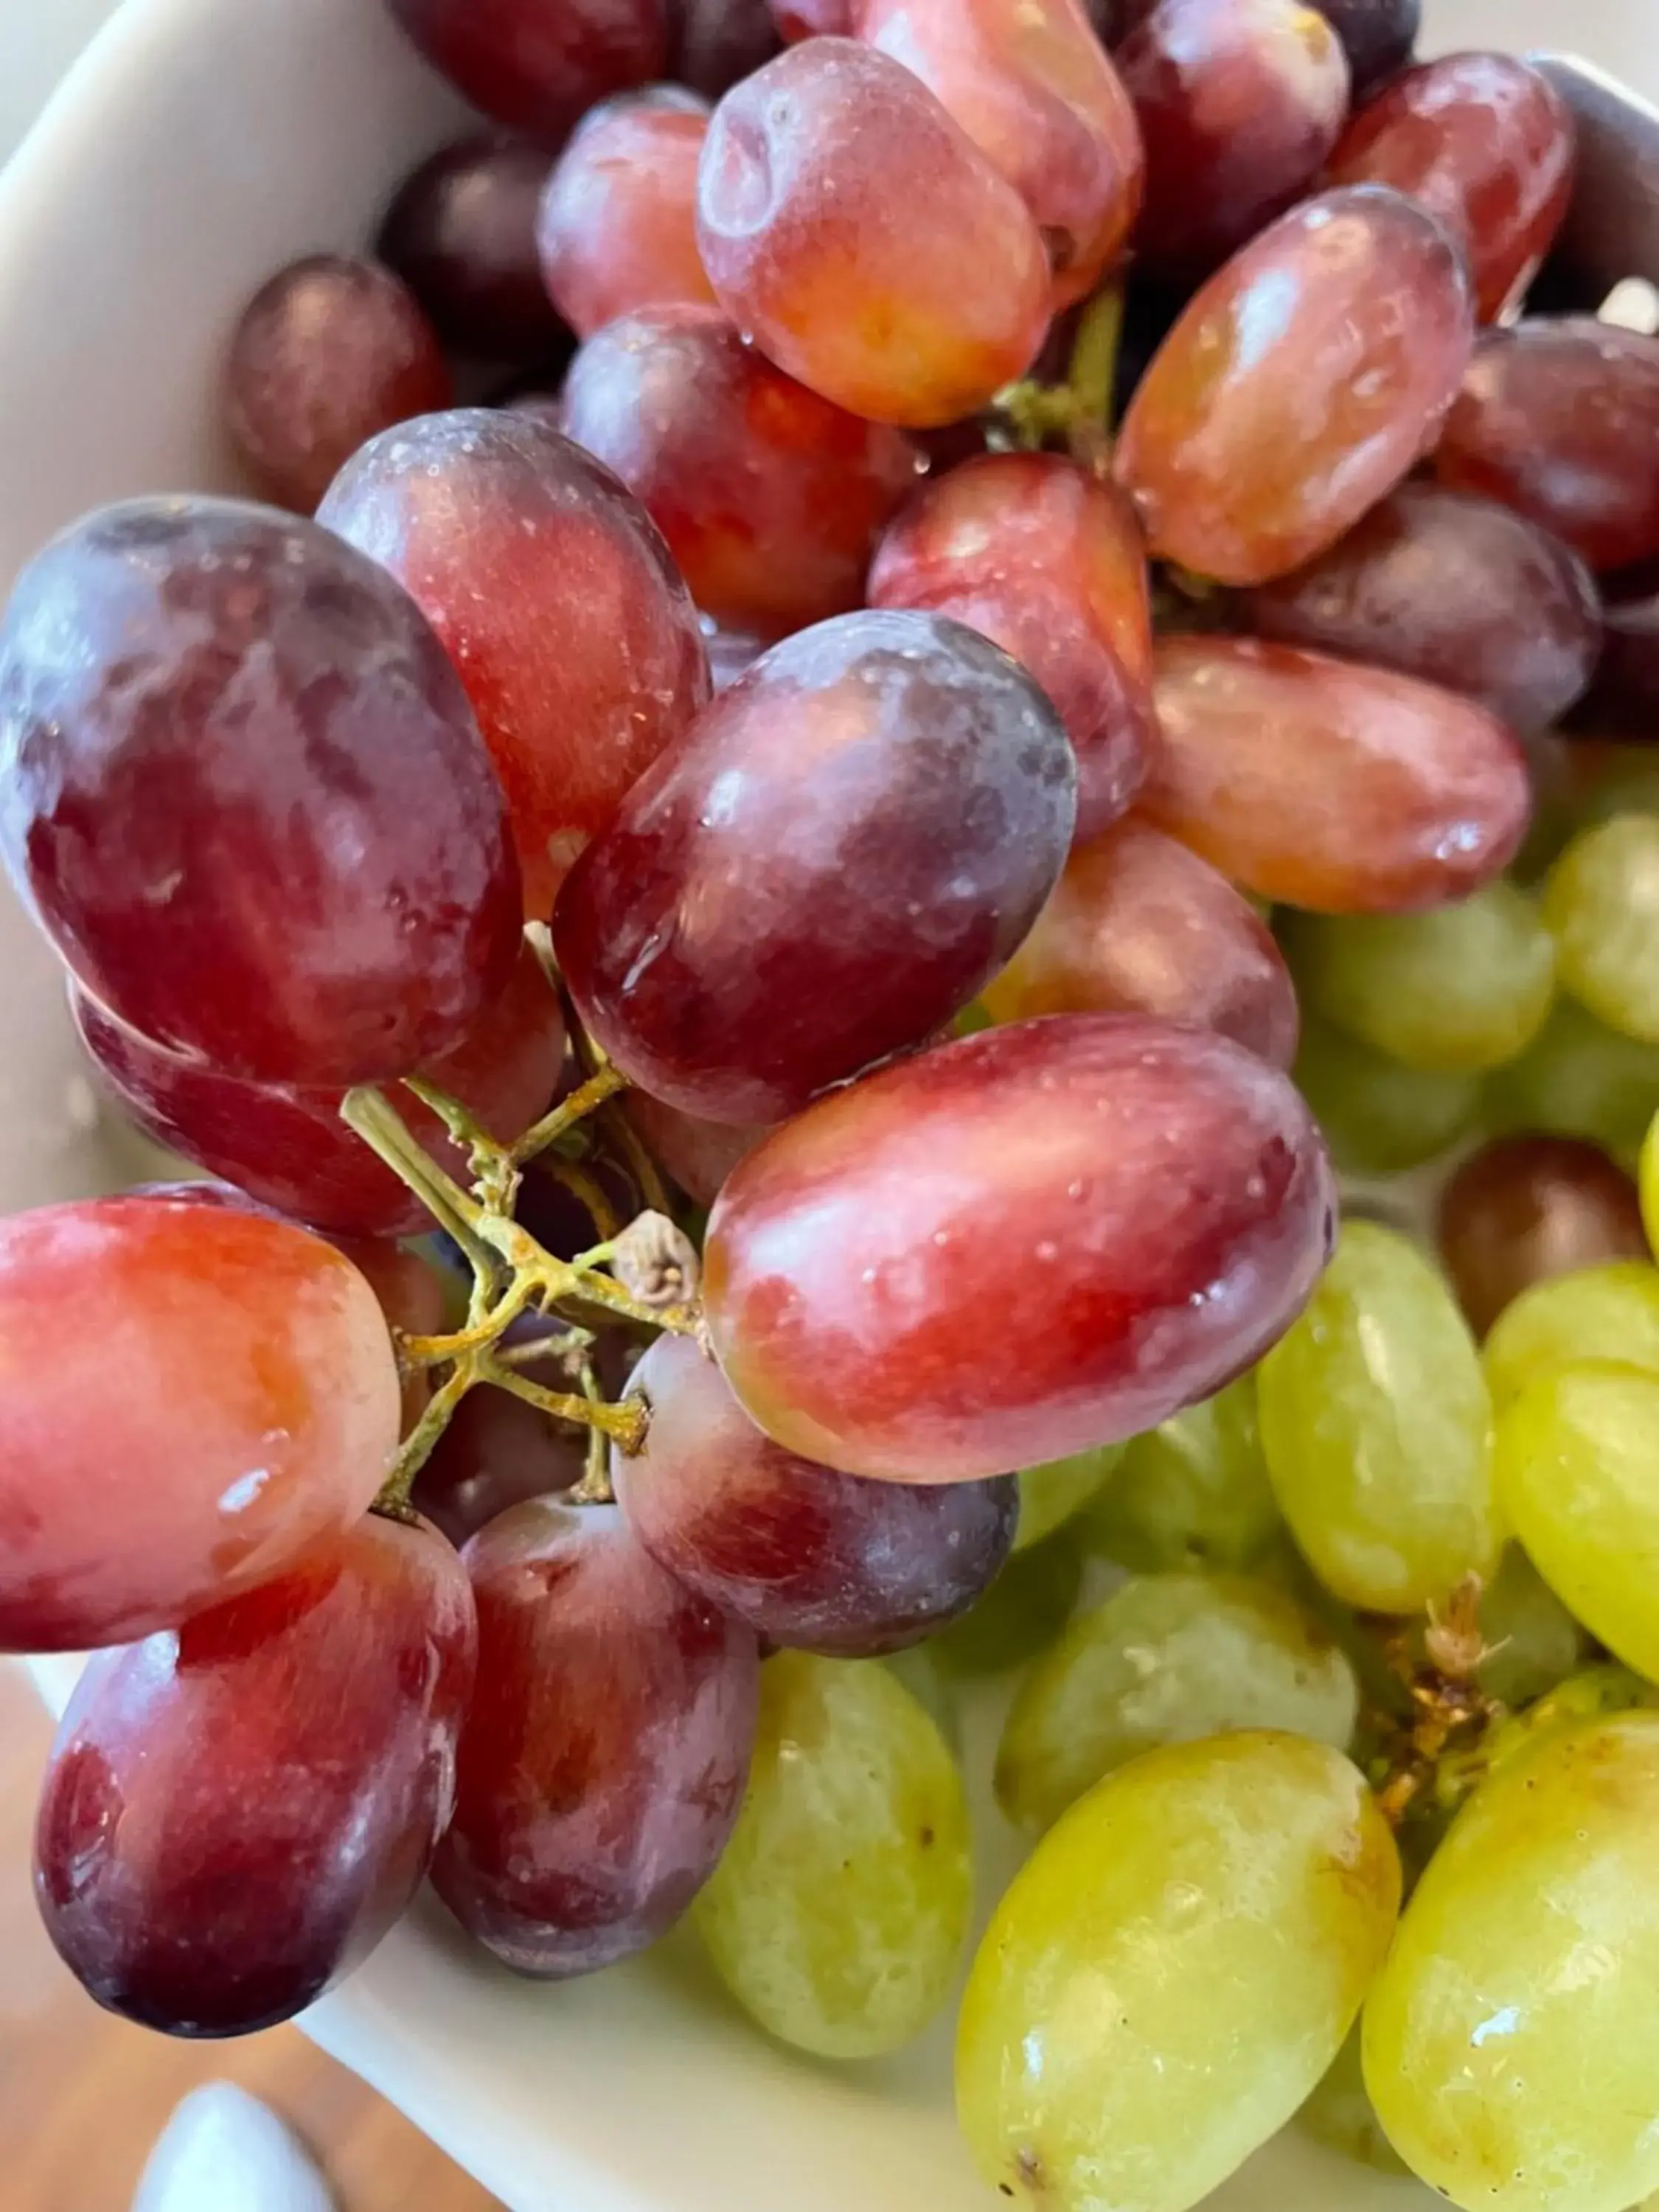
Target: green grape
1601	904
1171	1973
924	1674
974	1017
1193	1493
1509	2044
1587	1696
1025	1608
1648	1175
1624	780
838	1914
1598	1313
1376	1424
1379	1118
1050	1495
1579	1078
1167	1659
1340	2115
1578	1467
1455	990
1534	1643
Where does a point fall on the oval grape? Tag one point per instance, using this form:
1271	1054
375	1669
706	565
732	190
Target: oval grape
461	233
1565	1320
535	68
1601	905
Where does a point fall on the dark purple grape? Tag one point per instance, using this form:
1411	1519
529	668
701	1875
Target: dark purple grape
713	44
235	1814
1378	35
331	351
813	1559
1455	589
1623	700
844	848
537	65
1527	1208
600	1776
461	233
245	792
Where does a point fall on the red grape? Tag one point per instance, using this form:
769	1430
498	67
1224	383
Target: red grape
497	1452
617	228
556	596
1138	925
1015	1247
1377	35
770	498
1346	789
1045	560
1239	101
290	1149
863	239
234	1815
1486	144
698	1155
537	65
196	1394
1458	590
246	797
1298	387
332	349
461	233
812	1559
714	43
1032	87
599	1778
1560	420
1526	1207
846	846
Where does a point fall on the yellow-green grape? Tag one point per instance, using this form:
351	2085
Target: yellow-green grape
838	1914
974	1017
1579	1078
1577	1462
1601	904
1172	1972
1587	1696
1193	1493
1025	1608
1598	1313
1534	1643
1340	2115
1378	1117
1167	1659
1050	1495
1510	2044
1459	990
1647	1177
1377	1428
924	1675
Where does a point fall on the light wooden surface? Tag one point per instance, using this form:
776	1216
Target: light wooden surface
82	2095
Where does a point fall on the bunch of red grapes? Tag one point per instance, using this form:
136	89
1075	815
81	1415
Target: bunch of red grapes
717	961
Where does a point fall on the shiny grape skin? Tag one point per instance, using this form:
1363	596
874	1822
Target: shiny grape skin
812	1559
554	593
1298	387
1240	101
234	1815
1328	785
1486	144
698	1155
617	226
600	1777
1559	419
1139	924
917	323
289	1148
120	1311
212	718
715	43
1524	1208
770	498
1565	1320
534	67
461	233
1378	35
330	350
748	928
1144	1209
1456	590
1033	87
1045	560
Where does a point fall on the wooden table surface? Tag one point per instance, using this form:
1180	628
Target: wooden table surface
83	2095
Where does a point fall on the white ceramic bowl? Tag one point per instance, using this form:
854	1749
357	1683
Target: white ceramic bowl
198	145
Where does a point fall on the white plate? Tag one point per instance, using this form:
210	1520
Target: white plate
199	144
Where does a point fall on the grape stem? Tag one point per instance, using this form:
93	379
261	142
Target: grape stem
1078	411
1452	1715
